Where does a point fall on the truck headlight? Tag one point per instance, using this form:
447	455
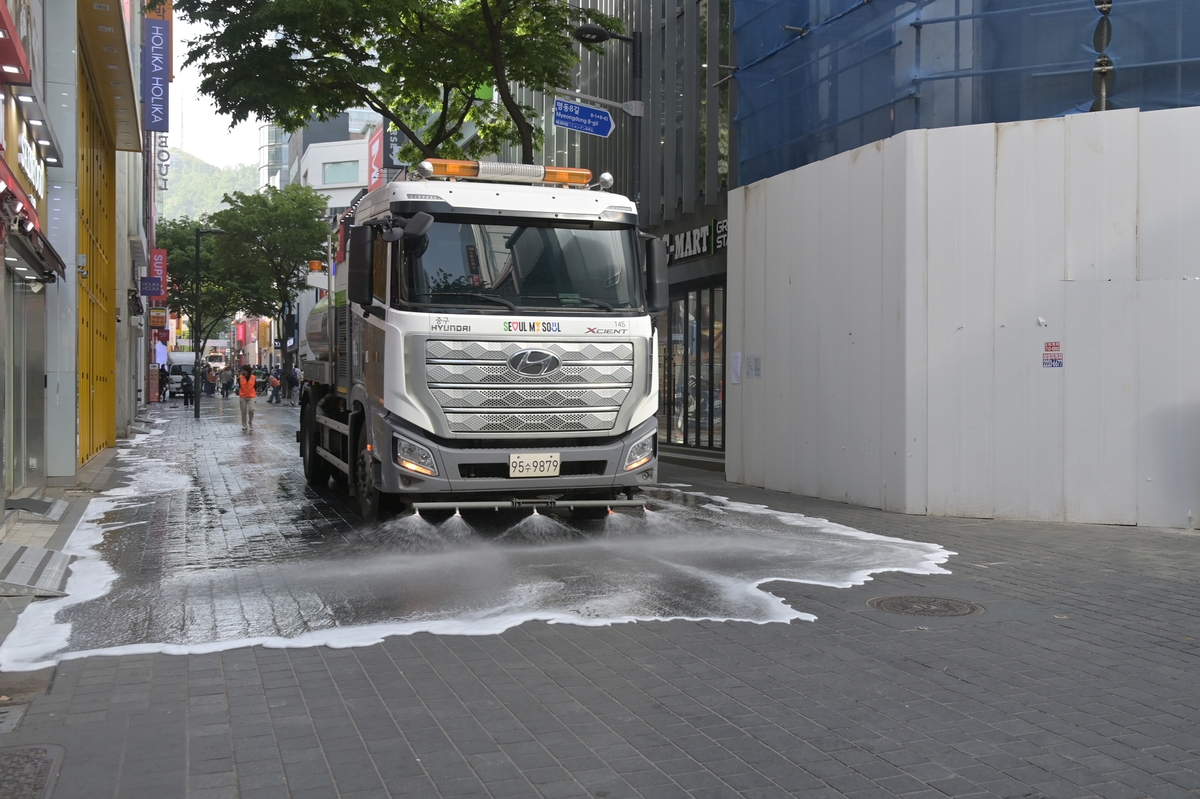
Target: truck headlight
412	456
641	452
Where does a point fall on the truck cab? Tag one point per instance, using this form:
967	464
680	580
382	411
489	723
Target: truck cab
487	338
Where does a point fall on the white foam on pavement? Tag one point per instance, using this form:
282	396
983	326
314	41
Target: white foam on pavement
702	560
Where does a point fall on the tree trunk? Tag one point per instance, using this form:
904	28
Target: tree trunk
524	129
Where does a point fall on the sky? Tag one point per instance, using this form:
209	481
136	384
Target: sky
196	128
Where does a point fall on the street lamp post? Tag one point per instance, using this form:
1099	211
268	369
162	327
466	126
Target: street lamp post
197	389
597	34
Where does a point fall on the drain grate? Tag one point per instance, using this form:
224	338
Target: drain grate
10	717
29	772
925	606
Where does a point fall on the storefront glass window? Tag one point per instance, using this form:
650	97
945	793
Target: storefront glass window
24	361
718	369
694	377
693	356
678	369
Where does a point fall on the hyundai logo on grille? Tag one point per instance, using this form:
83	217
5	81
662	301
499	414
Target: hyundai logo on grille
534	363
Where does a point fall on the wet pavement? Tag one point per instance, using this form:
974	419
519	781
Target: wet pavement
216	540
261	640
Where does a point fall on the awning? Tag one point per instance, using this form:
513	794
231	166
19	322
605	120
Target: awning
13	186
37	251
106	45
13	59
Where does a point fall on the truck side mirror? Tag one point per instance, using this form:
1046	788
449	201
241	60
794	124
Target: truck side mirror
418	226
360	256
658	289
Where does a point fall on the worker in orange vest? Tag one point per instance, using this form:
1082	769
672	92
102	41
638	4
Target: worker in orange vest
246	394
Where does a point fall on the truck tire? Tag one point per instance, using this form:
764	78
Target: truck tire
317	470
367	494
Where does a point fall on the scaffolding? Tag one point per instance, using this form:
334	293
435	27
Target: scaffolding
819	77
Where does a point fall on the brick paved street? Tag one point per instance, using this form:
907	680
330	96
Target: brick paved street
1080	678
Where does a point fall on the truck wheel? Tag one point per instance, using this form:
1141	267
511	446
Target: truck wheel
316	469
368	494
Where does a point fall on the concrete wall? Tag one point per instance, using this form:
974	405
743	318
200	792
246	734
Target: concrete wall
901	296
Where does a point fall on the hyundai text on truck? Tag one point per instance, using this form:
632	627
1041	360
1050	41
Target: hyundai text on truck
486	341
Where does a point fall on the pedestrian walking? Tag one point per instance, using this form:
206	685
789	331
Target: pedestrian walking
226	382
186	385
293	383
275	384
246	396
210	383
164	383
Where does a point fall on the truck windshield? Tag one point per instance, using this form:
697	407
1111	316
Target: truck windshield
523	264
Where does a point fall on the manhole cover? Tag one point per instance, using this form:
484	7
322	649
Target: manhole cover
29	772
924	606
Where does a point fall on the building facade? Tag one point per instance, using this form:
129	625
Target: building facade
30	144
961	277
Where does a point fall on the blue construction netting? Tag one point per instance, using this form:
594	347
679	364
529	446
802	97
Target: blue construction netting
844	73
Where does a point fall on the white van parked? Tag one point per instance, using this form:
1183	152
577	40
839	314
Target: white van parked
180	364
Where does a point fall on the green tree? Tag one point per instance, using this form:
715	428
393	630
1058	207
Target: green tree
222	292
427	67
271	236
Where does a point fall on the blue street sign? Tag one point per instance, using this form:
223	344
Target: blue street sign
583	118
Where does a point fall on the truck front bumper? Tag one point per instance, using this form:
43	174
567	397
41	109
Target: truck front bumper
585	468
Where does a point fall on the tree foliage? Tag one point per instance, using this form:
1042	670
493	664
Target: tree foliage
222	291
270	237
427	66
259	263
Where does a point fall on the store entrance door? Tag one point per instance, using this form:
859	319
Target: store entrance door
692	370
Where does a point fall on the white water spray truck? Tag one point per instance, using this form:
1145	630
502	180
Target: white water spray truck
486	342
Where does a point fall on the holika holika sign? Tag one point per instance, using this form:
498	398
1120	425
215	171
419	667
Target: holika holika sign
156	73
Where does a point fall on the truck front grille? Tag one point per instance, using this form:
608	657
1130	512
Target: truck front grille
479	392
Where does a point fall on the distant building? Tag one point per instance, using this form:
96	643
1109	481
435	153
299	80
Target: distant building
337	169
272	156
331	157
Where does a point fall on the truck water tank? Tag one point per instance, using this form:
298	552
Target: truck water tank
317	330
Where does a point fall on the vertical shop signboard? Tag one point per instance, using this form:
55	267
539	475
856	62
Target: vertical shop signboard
392	142
156	73
158	269
375	160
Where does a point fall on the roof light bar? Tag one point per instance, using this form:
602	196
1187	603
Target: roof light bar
502	172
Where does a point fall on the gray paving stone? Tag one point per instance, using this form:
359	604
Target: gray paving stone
1009	703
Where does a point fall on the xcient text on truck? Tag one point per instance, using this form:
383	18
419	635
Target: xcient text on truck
486	338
